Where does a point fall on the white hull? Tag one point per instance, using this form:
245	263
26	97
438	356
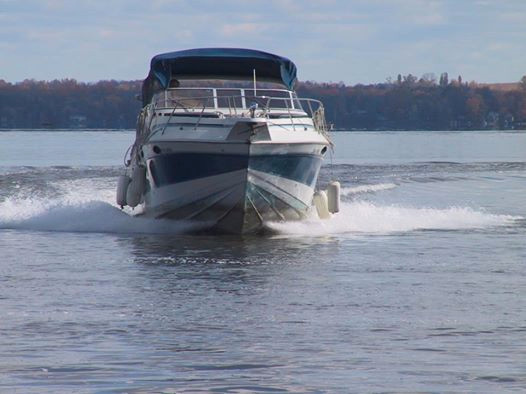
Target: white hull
255	184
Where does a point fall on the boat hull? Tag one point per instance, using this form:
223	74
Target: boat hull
231	187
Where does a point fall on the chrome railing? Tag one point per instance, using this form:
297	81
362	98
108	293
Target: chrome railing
228	102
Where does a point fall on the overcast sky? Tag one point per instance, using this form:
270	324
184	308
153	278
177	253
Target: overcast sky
354	41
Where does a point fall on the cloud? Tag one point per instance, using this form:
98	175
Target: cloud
512	17
238	29
349	40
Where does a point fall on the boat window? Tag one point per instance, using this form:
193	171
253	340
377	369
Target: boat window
296	102
229	98
275	98
190	98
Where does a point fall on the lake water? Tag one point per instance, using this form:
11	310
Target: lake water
419	284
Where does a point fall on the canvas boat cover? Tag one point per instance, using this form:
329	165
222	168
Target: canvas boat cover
217	63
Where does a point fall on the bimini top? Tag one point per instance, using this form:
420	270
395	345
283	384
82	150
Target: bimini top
217	63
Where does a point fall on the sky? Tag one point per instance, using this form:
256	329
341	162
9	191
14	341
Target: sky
352	41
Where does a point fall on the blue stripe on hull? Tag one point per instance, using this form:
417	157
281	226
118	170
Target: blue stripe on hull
173	168
299	168
181	167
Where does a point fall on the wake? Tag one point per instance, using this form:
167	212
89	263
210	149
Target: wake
87	206
367	217
81	207
347	191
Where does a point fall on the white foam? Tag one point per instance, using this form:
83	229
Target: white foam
345	191
84	206
366	217
93	216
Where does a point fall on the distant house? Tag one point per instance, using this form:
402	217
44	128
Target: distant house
508	122
520	125
78	122
491	121
461	123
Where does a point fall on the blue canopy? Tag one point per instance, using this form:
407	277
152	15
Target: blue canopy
217	63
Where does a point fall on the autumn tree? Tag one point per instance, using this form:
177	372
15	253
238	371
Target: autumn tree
444	80
428	79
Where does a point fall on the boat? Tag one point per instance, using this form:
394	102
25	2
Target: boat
224	142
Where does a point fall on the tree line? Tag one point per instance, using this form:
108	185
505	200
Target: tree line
68	103
411	103
406	103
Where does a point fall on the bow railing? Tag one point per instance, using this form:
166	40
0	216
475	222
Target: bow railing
239	102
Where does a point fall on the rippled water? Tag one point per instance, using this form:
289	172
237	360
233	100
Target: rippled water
417	285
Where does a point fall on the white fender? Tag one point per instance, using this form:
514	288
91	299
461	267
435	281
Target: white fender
320	202
333	197
136	186
122	188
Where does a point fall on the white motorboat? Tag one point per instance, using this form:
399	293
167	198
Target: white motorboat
223	141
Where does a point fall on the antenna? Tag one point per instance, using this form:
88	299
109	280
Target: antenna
255	93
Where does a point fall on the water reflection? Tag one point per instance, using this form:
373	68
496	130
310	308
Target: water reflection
203	269
224	249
